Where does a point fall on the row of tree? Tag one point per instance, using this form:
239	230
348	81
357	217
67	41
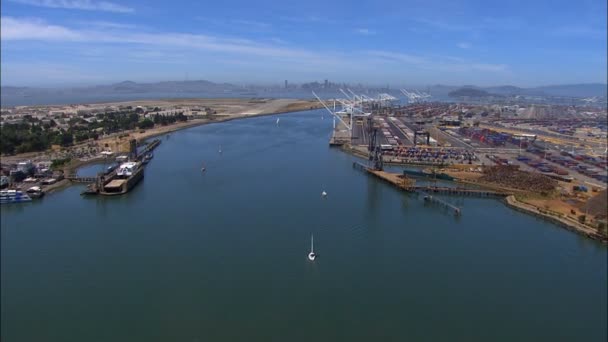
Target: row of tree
33	135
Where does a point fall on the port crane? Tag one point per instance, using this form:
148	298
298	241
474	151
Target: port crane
336	115
415	96
374	149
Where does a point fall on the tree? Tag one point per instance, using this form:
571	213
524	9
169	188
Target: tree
582	218
147	123
66	139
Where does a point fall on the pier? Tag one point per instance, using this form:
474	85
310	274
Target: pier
461	191
407	184
430	199
149	148
106	184
76	179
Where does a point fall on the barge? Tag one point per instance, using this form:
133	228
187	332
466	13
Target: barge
123	180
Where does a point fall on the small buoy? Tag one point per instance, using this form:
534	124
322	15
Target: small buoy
324	194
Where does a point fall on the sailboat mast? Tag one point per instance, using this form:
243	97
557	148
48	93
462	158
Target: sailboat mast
312	241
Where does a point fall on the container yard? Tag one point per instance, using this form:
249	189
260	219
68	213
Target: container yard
459	134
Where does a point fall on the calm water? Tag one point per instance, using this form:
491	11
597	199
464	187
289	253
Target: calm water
221	256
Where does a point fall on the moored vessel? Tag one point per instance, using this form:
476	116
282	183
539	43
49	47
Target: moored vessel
127	176
13	196
35	192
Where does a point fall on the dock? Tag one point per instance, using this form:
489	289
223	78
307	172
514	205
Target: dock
430	199
461	191
106	184
407	184
400	181
76	179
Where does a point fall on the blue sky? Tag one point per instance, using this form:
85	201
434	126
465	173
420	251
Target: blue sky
401	42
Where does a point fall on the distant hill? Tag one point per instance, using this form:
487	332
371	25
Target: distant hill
167	86
469	91
575	90
505	90
126	89
565	90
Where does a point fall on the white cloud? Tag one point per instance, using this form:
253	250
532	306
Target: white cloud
35	29
278	40
464	45
365	32
484	24
88	5
579	32
398	57
307	19
437	63
108	24
96	44
251	23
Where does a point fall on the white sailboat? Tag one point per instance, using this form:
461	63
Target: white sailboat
324	194
278	121
220	151
311	255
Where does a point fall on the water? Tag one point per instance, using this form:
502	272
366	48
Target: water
222	255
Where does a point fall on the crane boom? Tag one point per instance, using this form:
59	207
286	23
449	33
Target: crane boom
332	113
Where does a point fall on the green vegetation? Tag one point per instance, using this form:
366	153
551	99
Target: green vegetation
147	123
164	120
34	135
30	137
60	162
582	218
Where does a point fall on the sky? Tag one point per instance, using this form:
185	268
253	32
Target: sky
400	42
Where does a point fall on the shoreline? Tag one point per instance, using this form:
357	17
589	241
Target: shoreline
73	167
511	202
228	118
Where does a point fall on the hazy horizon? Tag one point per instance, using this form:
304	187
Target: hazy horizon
56	43
281	84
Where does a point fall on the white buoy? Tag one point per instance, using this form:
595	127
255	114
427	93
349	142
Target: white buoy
324	194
